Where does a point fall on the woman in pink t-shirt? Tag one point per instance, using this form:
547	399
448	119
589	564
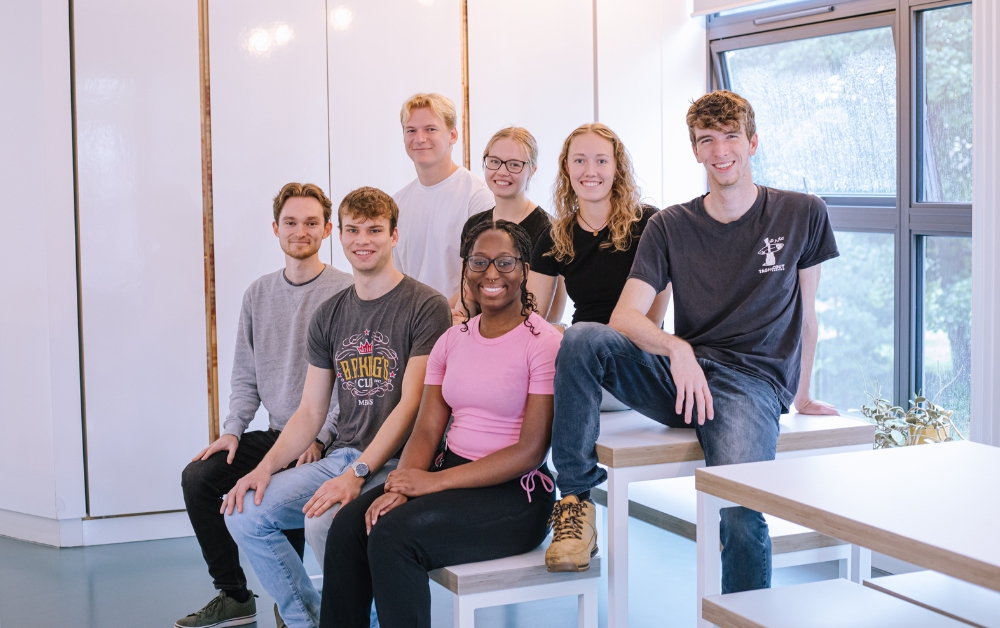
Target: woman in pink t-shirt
489	494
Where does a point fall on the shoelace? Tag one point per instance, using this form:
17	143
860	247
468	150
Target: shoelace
528	482
571	526
209	608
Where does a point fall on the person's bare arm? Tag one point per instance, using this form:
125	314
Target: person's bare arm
630	319
390	437
558	302
544	288
808	287
299	434
659	307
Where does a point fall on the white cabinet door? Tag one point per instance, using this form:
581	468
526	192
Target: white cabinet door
381	53
531	64
139	167
269	127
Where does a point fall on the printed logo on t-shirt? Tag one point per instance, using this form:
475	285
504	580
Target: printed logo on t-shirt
771	246
366	366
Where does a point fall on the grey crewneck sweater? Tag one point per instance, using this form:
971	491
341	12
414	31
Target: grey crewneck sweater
269	366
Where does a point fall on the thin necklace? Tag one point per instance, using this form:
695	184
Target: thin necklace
579	214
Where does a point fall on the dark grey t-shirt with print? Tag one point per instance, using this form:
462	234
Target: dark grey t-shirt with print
736	285
368	344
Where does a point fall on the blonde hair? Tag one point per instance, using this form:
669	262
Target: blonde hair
439	105
309	190
626	210
520	135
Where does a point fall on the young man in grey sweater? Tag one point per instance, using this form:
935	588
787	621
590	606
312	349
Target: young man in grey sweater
368	345
269	368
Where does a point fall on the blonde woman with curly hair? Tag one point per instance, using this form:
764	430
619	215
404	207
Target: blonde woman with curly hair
599	219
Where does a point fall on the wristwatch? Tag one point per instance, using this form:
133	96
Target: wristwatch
361	470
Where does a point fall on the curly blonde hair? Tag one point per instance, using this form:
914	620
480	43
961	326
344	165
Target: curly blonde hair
626	209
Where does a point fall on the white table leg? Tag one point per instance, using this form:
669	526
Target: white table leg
587	606
465	613
709	554
861	564
617	548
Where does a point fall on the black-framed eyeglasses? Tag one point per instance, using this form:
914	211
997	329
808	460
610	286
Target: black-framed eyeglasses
513	165
504	263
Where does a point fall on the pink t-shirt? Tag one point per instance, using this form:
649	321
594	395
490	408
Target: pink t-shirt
486	381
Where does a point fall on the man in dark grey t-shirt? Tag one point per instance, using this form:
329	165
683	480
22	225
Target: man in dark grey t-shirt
370	344
744	262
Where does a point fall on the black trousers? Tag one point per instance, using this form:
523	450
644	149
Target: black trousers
204	483
428	532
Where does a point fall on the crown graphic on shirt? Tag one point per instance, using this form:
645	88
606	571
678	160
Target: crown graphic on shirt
365	348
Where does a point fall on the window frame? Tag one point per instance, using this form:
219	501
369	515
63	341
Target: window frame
908	219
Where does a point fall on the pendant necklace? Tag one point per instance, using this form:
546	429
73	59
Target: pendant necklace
579	215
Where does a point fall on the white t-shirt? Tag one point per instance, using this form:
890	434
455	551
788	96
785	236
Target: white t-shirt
430	227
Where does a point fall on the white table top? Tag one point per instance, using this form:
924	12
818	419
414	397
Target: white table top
630	439
936	506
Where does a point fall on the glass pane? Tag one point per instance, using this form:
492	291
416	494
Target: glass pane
825	109
947	334
855	310
945	110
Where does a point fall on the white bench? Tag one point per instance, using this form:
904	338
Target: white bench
830	603
943	594
522	578
635	448
672	505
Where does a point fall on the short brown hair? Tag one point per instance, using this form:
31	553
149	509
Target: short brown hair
368	203
440	105
302	189
721	110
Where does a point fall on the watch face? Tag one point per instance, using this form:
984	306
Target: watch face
360	470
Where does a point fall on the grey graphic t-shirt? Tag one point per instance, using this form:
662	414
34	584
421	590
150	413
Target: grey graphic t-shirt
368	344
736	285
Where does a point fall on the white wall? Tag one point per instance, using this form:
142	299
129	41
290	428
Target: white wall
269	127
139	168
41	451
380	53
638	40
531	64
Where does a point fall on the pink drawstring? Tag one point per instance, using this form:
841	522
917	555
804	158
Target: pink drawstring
528	482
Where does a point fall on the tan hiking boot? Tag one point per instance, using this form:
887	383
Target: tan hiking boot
574	535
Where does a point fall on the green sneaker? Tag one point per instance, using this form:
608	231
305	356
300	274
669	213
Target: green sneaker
220	612
278	621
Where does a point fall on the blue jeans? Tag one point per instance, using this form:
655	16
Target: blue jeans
258	532
745	429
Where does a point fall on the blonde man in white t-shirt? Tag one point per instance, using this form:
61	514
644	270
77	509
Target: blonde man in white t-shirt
433	207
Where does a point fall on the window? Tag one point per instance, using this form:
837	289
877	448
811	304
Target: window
856	322
944	104
945	337
825	110
871	109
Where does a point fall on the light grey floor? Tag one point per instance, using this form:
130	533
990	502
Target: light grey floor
135	585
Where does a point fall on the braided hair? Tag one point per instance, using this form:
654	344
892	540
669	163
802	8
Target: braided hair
522	242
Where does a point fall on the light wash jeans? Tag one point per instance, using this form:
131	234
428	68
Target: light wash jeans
745	429
257	530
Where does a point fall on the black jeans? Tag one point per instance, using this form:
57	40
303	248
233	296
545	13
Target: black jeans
446	528
204	483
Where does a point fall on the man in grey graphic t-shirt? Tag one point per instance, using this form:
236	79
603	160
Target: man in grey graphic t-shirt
744	262
269	368
370	344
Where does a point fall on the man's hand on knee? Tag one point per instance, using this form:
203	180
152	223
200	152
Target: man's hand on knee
256	481
692	387
340	490
814	406
226	442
